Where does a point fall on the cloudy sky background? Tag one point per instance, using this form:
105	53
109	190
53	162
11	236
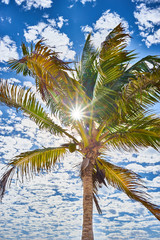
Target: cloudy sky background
50	205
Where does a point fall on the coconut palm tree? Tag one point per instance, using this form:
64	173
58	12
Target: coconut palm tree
102	104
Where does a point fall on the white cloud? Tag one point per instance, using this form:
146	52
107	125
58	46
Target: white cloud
52	22
147	1
7	19
45	15
54	38
139	168
148	20
153	38
61	21
8	49
147	17
5	1
13	80
32	3
86	29
107	22
1	113
84	1
155	183
4	69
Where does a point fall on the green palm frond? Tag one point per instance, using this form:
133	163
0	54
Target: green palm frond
29	163
113	58
22	99
86	69
149	64
128	182
134	134
146	64
112	64
143	91
104	102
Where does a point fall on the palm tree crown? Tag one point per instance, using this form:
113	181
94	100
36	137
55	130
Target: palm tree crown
102	104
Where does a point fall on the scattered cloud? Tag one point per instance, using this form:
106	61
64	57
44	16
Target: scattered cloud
32	3
85	1
6	19
8	49
107	22
147	1
61	21
86	29
82	1
52	35
138	168
5	1
13	80
4	69
35	3
148	21
45	15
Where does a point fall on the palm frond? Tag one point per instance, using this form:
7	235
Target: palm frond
46	68
86	69
146	64
135	133
128	182
113	60
104	103
22	99
30	163
142	92
113	57
57	88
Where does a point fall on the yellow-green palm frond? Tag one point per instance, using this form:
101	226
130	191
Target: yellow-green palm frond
21	66
46	68
135	133
128	182
57	88
22	99
29	163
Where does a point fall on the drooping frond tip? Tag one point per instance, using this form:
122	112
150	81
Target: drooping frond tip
30	163
5	181
130	183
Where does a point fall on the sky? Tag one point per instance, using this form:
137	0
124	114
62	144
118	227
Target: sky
50	206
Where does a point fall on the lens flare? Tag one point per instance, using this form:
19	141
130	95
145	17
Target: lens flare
77	114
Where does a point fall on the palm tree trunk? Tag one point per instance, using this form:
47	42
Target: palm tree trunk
87	232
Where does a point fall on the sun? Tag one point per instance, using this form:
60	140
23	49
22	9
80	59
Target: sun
77	114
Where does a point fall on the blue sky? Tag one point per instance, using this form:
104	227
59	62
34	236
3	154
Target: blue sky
50	206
